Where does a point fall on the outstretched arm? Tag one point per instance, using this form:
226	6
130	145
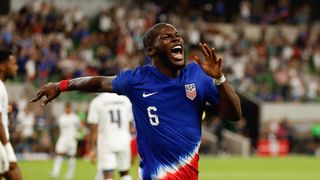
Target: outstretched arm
229	105
85	84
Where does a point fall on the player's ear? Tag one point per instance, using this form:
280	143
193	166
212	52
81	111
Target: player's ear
150	51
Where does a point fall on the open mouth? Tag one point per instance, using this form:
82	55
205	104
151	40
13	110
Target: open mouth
177	52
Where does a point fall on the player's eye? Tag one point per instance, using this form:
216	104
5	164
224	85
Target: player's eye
165	37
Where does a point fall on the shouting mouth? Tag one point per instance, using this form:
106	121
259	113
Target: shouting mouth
177	52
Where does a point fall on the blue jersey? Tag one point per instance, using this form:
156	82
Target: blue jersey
167	113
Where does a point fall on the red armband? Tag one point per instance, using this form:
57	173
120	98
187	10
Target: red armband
63	85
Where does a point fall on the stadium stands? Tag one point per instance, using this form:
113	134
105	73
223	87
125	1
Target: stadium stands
275	63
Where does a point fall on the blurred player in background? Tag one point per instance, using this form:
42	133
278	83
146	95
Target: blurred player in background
109	117
168	99
69	125
8	161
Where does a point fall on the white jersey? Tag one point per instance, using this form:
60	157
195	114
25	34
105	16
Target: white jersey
112	113
4	107
26	123
69	125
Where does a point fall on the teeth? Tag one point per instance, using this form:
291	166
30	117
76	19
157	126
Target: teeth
177	47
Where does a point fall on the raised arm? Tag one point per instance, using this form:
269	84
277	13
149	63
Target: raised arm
229	105
84	84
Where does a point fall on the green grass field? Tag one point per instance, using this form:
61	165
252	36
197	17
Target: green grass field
211	168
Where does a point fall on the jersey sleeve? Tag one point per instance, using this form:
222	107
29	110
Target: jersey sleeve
93	113
121	82
212	95
210	89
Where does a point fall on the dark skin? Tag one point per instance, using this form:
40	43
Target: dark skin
8	69
165	38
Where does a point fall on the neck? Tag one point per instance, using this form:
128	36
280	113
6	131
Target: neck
171	72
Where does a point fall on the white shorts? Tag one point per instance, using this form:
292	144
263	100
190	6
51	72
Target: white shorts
4	162
120	160
66	146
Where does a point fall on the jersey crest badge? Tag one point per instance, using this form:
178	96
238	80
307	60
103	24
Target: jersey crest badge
191	91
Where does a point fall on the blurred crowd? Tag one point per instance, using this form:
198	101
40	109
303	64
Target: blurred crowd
301	137
55	43
59	43
36	130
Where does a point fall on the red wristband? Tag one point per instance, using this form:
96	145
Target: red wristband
63	85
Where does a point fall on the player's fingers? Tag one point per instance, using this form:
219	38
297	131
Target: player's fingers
209	51
39	92
214	54
220	61
198	60
45	102
37	98
203	49
213	51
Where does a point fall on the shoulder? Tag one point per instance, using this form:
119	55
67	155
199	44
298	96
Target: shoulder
119	98
75	115
130	76
193	66
102	97
195	69
124	99
123	82
96	100
108	97
140	70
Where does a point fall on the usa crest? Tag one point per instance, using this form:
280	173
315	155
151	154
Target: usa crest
191	91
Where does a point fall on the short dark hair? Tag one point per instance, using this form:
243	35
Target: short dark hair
148	37
4	55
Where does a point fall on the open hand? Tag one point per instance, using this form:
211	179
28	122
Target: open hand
212	65
50	90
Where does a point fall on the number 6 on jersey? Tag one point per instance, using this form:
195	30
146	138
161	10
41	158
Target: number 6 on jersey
154	120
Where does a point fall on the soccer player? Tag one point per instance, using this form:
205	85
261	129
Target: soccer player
8	161
168	98
69	124
109	117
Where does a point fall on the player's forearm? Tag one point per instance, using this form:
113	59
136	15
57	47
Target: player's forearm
230	106
91	84
92	137
3	137
92	142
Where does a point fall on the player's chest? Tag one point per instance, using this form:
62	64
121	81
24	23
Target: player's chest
67	121
182	92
